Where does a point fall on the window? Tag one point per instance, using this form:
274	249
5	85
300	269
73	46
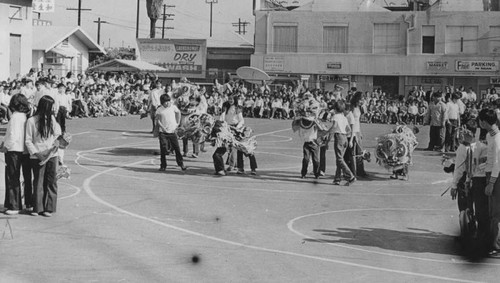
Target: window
428	39
65	42
285	38
53	58
15	13
461	39
335	39
386	39
494	39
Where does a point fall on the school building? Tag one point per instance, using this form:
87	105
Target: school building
370	46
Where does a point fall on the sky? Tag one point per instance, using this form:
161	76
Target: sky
191	20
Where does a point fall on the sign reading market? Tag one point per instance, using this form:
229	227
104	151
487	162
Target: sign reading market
477	66
181	57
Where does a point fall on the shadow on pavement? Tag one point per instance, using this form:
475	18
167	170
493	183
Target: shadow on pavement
423	241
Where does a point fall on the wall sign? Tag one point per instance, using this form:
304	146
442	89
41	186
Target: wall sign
437	66
477	66
44	6
274	63
334	65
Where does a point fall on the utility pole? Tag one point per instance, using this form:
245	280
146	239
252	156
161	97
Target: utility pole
211	2
137	21
165	18
79	9
242	26
99	22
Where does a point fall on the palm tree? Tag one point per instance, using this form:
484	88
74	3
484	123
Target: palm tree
154	12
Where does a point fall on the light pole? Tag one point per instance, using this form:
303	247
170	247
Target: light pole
211	2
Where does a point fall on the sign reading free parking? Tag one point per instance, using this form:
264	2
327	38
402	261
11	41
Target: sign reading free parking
477	66
181	57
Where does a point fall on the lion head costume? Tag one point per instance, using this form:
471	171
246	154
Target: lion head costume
394	151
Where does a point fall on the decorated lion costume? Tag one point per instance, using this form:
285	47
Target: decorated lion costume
394	151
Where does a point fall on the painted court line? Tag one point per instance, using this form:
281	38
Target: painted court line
88	189
291	223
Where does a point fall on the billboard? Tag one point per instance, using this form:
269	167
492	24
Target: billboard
181	57
44	6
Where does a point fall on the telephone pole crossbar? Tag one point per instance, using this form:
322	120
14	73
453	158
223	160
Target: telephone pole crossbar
79	9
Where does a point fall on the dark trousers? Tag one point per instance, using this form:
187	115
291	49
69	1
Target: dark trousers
241	163
185	147
340	145
494	209
61	118
152	115
310	151
44	185
481	206
350	159
436	137
172	140
218	158
14	161
231	157
322	158
451	141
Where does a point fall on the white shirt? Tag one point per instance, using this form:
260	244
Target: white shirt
479	153
34	141
340	124
233	118
4	98
154	97
453	110
493	161
14	136
167	117
64	100
356	126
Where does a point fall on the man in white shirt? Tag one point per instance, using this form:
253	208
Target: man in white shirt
487	121
340	129
154	100
64	102
167	120
452	123
4	104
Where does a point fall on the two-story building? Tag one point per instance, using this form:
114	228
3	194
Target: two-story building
370	46
15	37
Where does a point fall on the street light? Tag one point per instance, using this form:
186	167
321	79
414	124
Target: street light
211	2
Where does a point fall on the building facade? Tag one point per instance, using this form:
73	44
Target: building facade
15	37
392	50
62	48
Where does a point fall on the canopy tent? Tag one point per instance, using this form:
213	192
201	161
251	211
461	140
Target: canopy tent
133	66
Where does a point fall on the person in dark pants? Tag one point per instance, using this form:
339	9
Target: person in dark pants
340	129
218	158
167	120
241	165
42	130
16	157
436	118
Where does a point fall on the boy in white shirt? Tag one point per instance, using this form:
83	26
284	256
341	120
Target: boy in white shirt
340	129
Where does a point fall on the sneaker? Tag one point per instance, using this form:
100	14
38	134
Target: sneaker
162	169
194	155
336	183
229	169
221	173
184	168
47	214
303	176
352	180
240	172
254	173
33	213
321	173
11	212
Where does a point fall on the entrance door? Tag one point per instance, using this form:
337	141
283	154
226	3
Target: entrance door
15	55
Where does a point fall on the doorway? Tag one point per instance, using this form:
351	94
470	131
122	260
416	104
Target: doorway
15	55
388	84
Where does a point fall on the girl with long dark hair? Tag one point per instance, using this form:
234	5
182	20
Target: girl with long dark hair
16	156
42	131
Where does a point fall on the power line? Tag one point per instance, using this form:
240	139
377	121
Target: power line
79	9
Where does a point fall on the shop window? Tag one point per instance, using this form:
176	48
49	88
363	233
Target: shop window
335	39
15	13
285	38
461	39
387	39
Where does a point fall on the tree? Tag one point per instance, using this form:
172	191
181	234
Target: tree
154	12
